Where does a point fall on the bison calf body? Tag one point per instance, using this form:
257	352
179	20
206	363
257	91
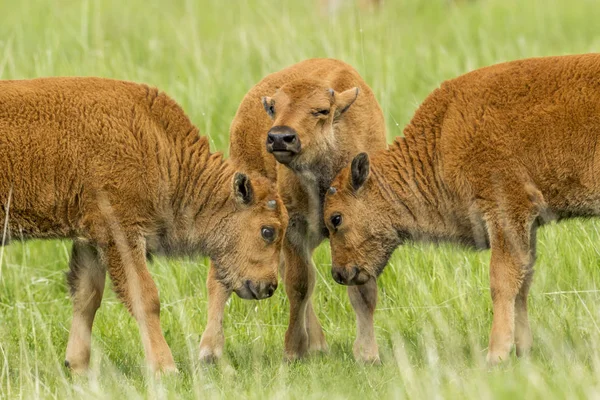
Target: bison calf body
487	158
314	116
119	167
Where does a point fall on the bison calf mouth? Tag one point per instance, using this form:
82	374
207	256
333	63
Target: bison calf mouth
256	291
284	157
283	143
349	276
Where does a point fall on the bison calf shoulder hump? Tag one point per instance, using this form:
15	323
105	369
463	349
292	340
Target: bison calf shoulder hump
487	158
119	167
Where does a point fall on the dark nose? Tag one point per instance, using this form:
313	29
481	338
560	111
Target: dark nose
261	290
284	139
349	275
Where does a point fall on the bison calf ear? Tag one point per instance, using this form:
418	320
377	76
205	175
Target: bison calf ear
360	170
242	188
269	105
344	100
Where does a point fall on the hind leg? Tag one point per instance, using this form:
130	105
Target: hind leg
523	337
510	278
86	280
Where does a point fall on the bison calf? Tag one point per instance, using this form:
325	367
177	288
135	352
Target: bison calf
487	158
299	127
119	167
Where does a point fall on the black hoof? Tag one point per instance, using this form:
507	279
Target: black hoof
67	364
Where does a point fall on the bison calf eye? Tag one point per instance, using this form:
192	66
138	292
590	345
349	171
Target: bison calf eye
318	113
336	220
268	233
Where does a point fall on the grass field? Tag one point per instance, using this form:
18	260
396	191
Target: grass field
434	312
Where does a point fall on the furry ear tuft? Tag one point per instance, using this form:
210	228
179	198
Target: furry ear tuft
344	100
242	188
269	105
359	170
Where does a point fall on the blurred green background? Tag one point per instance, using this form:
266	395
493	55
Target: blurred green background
434	313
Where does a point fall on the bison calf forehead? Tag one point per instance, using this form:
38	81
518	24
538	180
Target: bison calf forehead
264	189
301	89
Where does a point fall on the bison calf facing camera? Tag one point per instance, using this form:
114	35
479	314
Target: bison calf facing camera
299	127
144	183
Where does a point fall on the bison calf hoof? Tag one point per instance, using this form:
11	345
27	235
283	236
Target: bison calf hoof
76	368
296	346
210	355
293	355
366	355
168	371
496	358
367	358
162	371
211	345
317	343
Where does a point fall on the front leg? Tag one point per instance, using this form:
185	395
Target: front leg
213	339
316	337
126	263
364	301
299	284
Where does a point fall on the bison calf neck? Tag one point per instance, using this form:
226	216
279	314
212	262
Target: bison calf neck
487	158
311	118
119	167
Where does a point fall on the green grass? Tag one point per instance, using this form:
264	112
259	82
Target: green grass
434	312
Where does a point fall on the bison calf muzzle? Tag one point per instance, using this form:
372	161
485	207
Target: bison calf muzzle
284	143
349	276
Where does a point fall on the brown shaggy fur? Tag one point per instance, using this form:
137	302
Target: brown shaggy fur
332	126
487	158
119	167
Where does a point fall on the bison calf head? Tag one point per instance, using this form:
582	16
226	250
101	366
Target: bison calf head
303	113
250	236
361	233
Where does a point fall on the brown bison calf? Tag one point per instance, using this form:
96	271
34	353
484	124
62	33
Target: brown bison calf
119	168
321	113
488	158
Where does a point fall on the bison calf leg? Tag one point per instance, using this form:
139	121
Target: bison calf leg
316	337
136	289
523	337
510	278
364	300
303	325
86	279
213	339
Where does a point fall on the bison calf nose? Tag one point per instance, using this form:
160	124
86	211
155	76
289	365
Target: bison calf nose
283	142
349	275
261	290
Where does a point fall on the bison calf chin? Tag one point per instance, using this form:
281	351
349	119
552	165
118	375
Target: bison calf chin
119	168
